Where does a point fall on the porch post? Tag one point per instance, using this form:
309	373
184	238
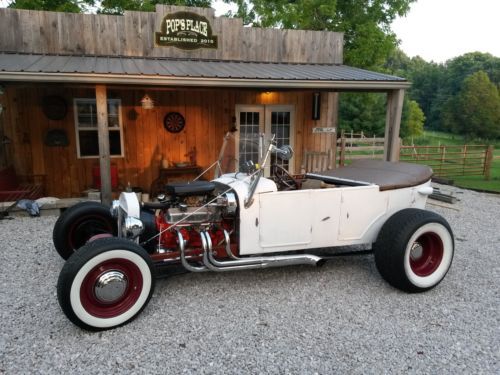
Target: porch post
332	121
103	138
393	123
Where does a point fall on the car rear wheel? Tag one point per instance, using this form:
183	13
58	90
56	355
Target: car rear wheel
106	284
414	250
81	223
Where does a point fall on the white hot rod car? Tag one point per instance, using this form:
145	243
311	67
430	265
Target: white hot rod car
243	220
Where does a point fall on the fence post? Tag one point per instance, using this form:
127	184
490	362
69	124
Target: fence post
487	162
443	157
464	160
342	152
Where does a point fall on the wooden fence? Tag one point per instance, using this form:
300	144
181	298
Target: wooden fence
446	161
449	161
354	146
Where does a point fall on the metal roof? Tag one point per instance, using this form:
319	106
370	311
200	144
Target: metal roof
186	72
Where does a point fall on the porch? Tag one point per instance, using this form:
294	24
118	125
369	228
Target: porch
73	111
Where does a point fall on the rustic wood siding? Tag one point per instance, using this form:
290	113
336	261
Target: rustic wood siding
133	35
208	115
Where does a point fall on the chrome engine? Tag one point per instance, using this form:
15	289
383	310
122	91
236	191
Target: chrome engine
224	205
192	208
191	215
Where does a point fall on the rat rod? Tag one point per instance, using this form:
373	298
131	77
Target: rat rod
243	220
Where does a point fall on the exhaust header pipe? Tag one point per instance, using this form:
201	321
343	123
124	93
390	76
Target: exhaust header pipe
237	264
252	263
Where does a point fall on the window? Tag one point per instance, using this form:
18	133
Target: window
249	125
269	119
86	128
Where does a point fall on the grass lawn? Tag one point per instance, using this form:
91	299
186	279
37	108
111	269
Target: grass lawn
471	182
479	182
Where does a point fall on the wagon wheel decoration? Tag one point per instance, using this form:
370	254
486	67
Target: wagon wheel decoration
174	122
54	107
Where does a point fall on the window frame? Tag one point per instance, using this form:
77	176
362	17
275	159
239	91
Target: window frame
78	128
265	125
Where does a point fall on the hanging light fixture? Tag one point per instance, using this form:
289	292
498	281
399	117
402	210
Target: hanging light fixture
147	102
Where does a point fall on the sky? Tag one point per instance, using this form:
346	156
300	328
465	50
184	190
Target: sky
439	30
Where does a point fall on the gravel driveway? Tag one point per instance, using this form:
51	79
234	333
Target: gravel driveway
340	318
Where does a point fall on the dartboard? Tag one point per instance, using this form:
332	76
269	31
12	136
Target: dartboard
174	122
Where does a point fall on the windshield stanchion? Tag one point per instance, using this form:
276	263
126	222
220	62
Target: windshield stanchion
259	173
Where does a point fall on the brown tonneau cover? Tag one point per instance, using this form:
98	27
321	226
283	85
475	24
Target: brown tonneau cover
387	175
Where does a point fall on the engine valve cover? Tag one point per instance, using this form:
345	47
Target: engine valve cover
202	215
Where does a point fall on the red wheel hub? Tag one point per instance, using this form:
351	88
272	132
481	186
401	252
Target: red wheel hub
111	288
426	254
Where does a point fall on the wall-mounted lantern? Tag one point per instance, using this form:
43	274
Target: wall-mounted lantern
316	106
147	102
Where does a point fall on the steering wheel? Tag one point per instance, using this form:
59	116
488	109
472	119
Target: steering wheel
283	178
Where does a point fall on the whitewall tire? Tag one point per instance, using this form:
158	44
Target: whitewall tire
106	283
414	250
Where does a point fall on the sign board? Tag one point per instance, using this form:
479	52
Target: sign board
186	30
323	130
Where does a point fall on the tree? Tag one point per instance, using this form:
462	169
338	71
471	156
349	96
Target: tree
368	39
119	6
73	6
413	123
475	111
105	6
362	112
461	67
435	86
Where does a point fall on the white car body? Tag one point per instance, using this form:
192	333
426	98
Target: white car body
279	221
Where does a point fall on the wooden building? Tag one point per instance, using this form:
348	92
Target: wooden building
175	81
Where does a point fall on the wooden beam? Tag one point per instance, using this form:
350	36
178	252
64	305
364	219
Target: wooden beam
392	124
332	121
103	137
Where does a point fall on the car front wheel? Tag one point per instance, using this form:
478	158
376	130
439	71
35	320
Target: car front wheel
106	284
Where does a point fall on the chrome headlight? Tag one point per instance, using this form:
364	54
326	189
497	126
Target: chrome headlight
132	227
115	207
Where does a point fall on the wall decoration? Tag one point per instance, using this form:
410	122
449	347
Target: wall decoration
132	115
54	107
174	122
56	138
147	102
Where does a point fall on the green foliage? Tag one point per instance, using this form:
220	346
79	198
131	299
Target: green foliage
119	6
368	39
362	112
475	110
105	6
463	66
435	87
414	123
73	6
